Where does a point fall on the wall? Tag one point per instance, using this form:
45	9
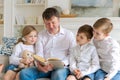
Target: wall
74	23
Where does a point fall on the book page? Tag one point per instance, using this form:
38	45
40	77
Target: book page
57	63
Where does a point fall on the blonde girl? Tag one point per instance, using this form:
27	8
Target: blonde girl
26	42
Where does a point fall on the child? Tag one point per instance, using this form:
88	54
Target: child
108	51
84	60
29	37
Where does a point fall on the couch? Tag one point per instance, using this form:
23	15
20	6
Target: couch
6	50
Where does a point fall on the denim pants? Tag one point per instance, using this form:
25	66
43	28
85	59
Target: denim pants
100	74
33	74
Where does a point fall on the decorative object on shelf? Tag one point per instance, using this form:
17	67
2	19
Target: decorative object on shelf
58	8
30	20
27	1
60	5
66	12
68	15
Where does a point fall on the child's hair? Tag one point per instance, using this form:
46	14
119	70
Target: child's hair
50	12
86	77
105	24
87	29
26	30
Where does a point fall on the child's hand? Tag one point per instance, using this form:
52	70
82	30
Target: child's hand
77	71
25	61
78	74
71	77
49	67
106	78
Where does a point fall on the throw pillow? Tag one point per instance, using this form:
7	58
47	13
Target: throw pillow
8	44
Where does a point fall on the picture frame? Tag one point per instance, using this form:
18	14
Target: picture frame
92	3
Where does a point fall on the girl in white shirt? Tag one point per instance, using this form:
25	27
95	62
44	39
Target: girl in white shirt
108	51
84	60
26	42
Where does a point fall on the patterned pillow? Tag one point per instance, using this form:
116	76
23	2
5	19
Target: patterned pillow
8	44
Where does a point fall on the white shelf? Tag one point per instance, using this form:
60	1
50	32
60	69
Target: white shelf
29	4
28	24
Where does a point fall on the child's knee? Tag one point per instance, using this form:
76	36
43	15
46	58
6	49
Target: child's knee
71	77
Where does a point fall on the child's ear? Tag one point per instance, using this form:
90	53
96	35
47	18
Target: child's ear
23	39
89	40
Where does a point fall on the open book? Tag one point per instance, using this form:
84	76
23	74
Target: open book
57	63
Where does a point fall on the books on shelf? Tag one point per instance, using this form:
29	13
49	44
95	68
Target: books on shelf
30	1
19	20
30	20
57	63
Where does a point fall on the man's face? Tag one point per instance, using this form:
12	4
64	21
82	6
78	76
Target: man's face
52	25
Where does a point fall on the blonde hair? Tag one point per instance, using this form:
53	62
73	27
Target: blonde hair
26	30
105	24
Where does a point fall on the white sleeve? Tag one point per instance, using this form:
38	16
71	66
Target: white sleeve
72	40
94	63
15	57
72	43
39	46
115	65
72	61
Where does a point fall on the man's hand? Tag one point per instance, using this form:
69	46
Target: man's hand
45	68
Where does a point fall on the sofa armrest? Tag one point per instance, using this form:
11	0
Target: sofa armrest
4	60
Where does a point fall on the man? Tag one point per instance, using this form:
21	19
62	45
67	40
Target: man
53	42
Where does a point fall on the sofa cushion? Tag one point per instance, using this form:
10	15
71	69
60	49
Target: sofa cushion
8	44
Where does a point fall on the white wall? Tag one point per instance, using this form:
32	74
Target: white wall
74	23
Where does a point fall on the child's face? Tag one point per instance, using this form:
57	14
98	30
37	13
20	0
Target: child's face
81	39
99	34
31	38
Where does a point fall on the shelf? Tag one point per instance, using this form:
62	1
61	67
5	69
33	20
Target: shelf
29	4
29	24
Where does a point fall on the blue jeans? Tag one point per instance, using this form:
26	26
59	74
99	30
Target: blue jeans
91	76
100	74
33	74
10	67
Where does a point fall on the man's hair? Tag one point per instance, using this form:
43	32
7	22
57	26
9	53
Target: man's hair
50	12
87	30
105	24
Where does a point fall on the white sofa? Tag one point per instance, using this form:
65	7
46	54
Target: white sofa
5	60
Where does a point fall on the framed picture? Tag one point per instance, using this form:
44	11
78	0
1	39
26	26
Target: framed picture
92	3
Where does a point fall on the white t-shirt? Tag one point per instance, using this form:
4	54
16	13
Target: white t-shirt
17	52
